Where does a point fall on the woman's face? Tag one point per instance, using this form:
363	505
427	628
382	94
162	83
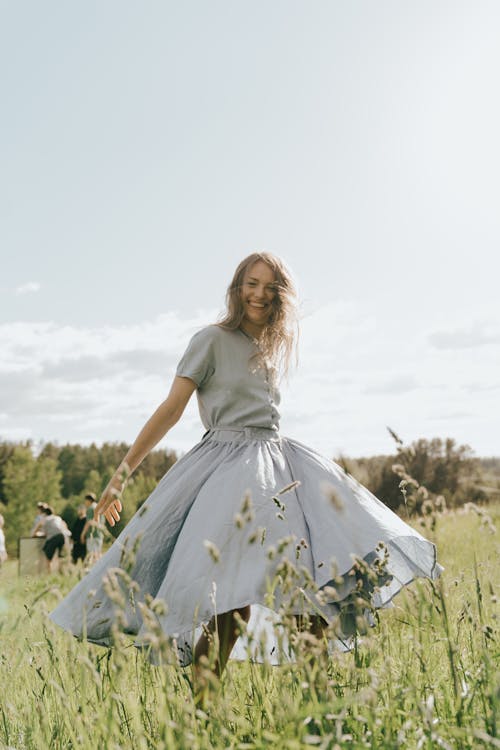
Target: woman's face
257	294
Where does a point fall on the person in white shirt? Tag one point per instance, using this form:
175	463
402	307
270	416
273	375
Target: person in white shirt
56	532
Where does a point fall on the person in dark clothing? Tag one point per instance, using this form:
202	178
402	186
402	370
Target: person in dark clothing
79	550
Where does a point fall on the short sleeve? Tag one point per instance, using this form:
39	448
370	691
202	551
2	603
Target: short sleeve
198	361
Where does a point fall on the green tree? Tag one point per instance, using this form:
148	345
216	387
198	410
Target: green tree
26	481
6	451
444	468
439	465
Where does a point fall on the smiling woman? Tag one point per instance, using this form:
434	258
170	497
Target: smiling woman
257	293
262	300
194	541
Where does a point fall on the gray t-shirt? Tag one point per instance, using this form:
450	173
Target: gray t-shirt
234	387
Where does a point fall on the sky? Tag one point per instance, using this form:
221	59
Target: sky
145	149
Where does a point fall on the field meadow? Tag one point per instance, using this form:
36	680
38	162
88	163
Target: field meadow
426	676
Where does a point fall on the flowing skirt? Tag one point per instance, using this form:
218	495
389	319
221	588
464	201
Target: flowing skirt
246	518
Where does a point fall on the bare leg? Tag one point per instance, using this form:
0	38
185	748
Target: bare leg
226	628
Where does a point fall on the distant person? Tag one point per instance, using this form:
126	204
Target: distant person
79	550
39	517
56	532
3	551
92	534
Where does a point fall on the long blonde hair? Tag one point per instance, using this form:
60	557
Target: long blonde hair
279	338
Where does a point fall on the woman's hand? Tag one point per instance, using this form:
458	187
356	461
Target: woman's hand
110	505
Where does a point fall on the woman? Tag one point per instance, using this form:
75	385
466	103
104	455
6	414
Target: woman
212	539
56	534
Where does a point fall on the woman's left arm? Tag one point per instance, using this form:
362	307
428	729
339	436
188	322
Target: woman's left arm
164	418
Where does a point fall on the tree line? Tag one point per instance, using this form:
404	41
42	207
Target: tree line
62	475
425	471
428	471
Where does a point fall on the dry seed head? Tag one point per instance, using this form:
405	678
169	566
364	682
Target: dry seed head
440	503
398	469
284	542
159	607
247	502
427	507
212	550
213	593
331	593
321	598
395	437
332	496
289	487
278	502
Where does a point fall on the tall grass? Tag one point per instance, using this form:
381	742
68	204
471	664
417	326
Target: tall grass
426	676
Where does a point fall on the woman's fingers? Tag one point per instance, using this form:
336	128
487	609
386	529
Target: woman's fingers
110	507
109	517
112	514
114	510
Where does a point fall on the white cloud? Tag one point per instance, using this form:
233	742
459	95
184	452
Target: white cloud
356	375
465	338
394	385
84	384
30	286
359	373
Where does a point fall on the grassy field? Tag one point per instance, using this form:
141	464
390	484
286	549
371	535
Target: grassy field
427	676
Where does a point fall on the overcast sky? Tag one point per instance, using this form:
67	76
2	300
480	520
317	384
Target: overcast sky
147	147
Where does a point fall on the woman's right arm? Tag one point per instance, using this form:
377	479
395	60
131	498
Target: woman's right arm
165	417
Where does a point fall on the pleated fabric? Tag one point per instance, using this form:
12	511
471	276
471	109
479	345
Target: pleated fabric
217	533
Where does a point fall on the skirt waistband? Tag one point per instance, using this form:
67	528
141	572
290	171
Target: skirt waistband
232	434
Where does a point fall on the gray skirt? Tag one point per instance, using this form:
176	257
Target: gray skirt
219	530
